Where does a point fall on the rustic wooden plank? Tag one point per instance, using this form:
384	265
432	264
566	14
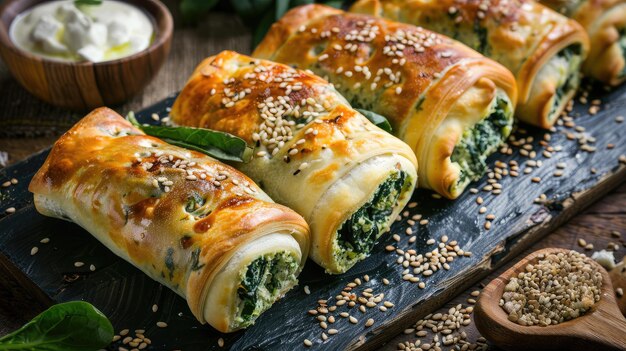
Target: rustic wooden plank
126	295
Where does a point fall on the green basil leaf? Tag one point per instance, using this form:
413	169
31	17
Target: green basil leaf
192	9
220	145
380	121
71	326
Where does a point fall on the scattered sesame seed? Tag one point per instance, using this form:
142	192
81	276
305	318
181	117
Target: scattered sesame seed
34	251
161	324
78	264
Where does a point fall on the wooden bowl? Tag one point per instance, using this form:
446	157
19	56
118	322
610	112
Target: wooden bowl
83	86
602	328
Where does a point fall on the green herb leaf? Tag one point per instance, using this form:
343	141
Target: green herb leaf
214	143
71	326
380	121
87	2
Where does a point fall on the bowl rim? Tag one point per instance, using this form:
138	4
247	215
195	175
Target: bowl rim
161	37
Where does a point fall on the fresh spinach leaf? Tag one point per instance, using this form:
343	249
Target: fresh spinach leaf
220	145
380	121
70	326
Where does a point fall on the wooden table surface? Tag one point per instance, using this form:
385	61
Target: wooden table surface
28	125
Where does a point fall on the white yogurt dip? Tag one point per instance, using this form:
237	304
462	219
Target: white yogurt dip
62	30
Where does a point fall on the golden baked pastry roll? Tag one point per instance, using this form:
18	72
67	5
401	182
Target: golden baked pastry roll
312	152
453	106
542	48
193	224
605	22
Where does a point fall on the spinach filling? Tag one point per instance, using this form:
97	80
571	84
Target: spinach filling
567	62
262	283
478	142
357	235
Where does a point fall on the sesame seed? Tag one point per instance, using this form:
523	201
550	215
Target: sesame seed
307	343
92	267
10	210
161	324
78	264
155	308
307	290
34	251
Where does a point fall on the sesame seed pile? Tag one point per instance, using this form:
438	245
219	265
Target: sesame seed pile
557	288
440	331
132	343
416	265
327	312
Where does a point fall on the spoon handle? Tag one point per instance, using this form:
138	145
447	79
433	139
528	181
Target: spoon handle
604	330
615	335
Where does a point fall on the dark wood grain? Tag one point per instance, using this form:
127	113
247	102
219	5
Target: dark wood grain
83	86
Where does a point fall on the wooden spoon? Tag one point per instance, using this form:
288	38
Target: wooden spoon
601	328
618	278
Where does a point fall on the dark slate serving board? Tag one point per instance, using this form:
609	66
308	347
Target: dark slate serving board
126	295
